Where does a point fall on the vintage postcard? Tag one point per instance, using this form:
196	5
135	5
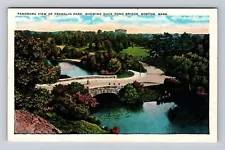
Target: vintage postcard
112	75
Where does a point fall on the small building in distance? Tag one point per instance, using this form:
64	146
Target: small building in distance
121	31
99	31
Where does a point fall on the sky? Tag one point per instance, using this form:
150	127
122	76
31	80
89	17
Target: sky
133	24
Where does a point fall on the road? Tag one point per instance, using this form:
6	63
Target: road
72	60
153	76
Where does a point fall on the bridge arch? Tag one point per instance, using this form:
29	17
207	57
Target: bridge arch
107	98
101	90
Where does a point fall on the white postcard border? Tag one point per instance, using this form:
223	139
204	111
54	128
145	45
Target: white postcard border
165	138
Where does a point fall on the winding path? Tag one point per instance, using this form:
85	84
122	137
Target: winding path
153	76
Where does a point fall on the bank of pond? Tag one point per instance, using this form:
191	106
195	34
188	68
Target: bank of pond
150	118
170	108
127	113
92	65
70	70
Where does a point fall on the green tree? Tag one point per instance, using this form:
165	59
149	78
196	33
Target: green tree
31	69
75	87
97	42
108	45
112	53
99	31
65	49
35	101
92	61
99	57
121	47
114	65
72	101
200	50
125	44
30	63
130	95
90	46
70	110
190	69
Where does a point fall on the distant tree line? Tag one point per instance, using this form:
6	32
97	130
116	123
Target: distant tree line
163	47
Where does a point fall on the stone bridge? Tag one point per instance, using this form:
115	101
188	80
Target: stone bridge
107	89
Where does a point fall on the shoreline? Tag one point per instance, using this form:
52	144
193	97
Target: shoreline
153	76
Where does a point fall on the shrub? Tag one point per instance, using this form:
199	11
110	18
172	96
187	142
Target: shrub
136	66
79	54
106	72
130	95
33	101
63	57
125	74
72	101
98	65
115	130
138	86
75	87
70	110
85	99
114	65
60	90
93	119
84	127
171	81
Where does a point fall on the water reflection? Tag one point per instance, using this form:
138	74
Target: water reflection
150	118
74	71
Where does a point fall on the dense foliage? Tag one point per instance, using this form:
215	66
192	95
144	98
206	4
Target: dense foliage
184	56
111	63
35	101
125	74
34	56
84	127
70	109
73	126
30	61
72	101
190	69
31	68
174	44
132	94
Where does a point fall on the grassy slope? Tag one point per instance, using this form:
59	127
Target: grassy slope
84	127
60	46
125	74
136	51
69	126
78	49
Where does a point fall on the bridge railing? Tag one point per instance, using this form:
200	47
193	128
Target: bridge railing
90	77
105	86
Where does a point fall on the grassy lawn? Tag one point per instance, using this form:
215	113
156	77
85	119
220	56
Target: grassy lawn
83	48
77	127
136	52
61	46
78	49
125	74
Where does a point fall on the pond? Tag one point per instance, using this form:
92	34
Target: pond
151	118
73	70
